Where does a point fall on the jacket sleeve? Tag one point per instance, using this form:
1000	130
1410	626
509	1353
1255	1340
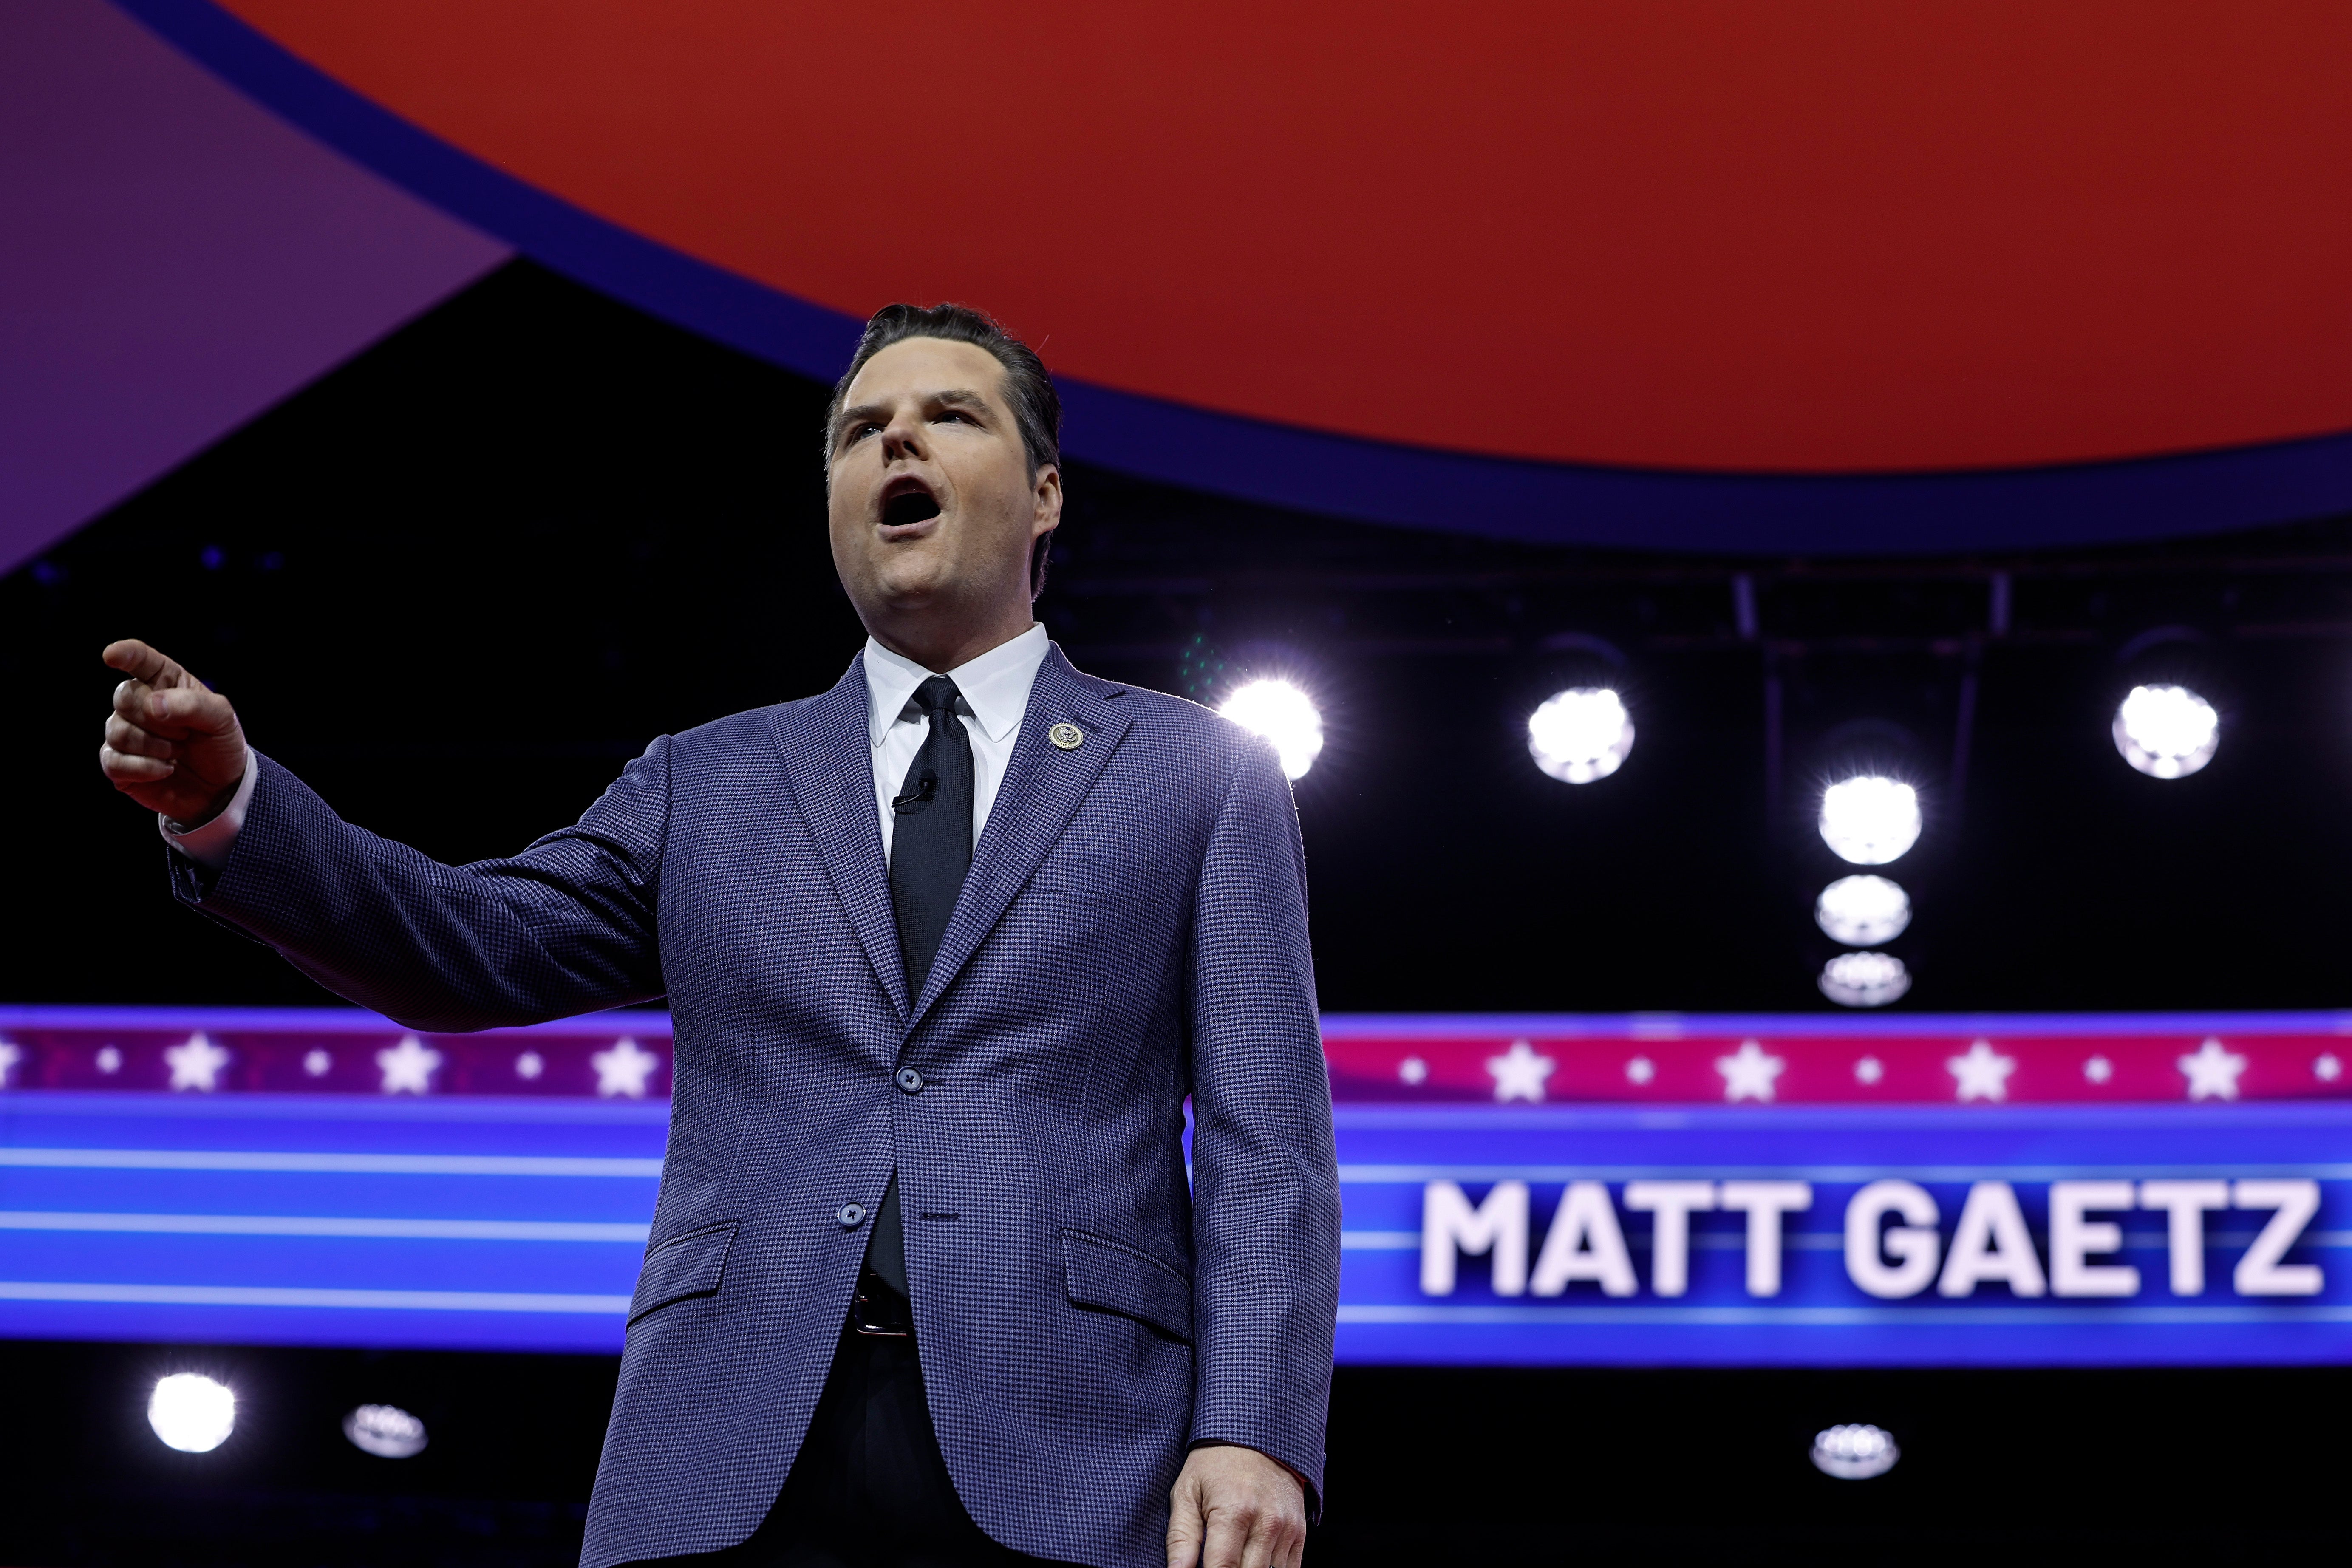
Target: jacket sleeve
565	927
1265	1175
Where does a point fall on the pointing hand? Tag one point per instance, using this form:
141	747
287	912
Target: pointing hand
172	744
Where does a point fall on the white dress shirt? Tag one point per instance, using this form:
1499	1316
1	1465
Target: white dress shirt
995	689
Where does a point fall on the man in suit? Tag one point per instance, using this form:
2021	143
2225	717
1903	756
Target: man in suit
947	948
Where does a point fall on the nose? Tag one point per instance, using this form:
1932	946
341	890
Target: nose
904	437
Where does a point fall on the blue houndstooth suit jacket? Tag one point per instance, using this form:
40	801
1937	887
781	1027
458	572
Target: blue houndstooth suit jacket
1133	931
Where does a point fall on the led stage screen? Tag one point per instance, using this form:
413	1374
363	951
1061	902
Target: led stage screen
1797	1190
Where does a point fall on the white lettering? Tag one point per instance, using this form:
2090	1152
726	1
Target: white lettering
2185	1203
2073	1239
1892	1247
1584	1244
1912	1243
1765	1202
1990	1244
1449	1224
1673	1203
2259	1272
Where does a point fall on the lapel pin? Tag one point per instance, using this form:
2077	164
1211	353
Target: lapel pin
1069	737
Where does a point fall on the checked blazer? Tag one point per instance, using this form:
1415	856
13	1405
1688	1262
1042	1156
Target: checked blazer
1133	932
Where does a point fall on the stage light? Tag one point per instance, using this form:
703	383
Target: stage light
384	1430
1855	1453
1282	713
192	1413
2166	732
1580	734
1863	912
1865	979
1870	819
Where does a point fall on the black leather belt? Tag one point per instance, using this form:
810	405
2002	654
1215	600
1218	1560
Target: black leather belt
878	1311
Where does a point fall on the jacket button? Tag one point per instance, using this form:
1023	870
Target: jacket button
910	1080
850	1214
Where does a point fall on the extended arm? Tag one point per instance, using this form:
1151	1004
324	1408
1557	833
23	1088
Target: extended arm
567	926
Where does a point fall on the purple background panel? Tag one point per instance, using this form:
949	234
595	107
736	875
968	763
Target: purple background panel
175	259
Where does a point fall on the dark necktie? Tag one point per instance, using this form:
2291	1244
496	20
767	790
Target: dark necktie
930	842
930	850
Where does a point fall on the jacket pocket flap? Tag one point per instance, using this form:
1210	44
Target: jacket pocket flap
1118	1279
690	1265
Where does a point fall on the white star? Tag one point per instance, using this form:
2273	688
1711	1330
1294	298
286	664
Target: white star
2098	1069
317	1062
2212	1072
530	1065
623	1069
1641	1070
1519	1073
196	1065
1869	1069
2328	1069
1748	1073
110	1060
1982	1074
408	1067
9	1057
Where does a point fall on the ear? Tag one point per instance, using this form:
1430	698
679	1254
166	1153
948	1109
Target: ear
1049	517
1047	493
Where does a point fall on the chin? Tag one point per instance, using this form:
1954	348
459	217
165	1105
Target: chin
912	584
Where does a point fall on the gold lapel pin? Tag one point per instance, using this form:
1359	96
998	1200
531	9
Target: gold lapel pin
1069	737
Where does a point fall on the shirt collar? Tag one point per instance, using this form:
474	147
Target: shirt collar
995	686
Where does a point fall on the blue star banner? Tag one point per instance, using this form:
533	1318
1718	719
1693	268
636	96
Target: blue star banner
1801	1190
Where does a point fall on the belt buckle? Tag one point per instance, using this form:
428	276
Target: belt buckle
879	1313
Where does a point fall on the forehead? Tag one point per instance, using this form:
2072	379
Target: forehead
920	366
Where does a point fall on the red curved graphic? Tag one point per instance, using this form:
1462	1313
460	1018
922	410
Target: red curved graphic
1820	235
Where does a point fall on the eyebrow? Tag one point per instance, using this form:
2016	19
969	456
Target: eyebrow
953	397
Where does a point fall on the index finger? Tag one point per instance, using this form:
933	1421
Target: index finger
140	662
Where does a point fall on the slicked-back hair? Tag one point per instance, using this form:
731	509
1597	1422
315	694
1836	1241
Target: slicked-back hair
1036	406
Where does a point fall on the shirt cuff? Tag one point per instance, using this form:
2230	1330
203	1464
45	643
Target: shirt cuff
209	846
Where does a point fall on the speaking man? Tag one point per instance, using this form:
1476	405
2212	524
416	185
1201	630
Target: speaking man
947	948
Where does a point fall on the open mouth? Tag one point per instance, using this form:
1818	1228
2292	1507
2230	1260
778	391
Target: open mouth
908	507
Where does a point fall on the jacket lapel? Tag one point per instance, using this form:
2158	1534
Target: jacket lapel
829	761
1040	792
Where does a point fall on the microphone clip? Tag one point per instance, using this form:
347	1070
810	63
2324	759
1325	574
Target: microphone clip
926	787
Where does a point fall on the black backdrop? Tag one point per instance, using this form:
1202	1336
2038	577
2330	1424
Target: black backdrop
455	583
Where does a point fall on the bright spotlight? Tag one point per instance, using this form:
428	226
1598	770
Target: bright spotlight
1580	734
1865	979
2166	732
1863	912
1855	1453
1871	819
384	1430
1282	713
192	1413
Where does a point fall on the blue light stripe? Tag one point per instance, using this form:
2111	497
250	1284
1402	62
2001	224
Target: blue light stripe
330	1225
277	1296
323	1162
1838	1317
1829	1175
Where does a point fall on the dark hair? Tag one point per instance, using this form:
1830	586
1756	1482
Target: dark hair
1036	406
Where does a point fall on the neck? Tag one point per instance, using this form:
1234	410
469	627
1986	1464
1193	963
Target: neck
940	648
